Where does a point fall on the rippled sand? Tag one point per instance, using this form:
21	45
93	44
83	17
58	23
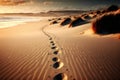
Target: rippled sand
39	51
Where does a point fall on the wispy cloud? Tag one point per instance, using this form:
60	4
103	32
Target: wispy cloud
36	6
48	3
12	2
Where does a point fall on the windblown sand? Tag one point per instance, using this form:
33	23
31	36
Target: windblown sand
39	51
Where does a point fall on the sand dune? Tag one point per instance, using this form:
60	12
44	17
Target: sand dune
39	51
108	23
78	21
65	21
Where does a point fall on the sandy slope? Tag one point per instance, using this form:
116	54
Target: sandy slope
88	56
27	52
24	53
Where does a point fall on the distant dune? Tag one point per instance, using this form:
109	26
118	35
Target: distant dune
50	13
78	21
66	21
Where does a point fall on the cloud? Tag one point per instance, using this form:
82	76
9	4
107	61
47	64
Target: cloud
48	3
12	2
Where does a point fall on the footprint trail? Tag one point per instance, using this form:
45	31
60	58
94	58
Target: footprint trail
58	64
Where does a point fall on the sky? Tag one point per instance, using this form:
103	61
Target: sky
36	6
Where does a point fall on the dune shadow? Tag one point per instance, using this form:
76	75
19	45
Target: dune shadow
87	17
78	22
65	21
53	22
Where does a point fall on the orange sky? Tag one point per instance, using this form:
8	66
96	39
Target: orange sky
11	2
36	6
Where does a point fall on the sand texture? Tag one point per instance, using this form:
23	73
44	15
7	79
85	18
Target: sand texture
39	51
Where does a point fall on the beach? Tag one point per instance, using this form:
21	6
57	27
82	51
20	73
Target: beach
40	51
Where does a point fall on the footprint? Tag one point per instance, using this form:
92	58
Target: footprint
55	59
58	65
61	76
53	47
56	52
50	38
51	42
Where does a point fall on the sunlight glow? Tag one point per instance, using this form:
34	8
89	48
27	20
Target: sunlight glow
11	2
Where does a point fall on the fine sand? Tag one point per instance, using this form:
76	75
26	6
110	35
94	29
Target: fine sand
40	51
